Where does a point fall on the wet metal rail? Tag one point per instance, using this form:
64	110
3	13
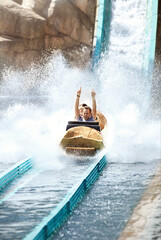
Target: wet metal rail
53	221
15	171
150	35
101	29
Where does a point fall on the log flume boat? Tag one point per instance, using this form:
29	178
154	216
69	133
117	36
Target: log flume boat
84	138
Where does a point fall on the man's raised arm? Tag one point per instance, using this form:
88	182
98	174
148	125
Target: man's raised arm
94	110
77	103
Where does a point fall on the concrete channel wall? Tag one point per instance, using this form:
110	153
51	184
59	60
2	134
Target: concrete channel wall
142	219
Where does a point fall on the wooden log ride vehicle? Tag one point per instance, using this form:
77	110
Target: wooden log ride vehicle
84	138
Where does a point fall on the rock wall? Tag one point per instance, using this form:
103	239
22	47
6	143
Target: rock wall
158	42
155	104
30	27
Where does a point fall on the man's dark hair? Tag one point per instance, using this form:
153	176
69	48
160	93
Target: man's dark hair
88	108
83	105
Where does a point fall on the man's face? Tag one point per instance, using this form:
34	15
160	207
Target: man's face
86	114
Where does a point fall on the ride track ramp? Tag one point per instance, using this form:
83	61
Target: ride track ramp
54	220
44	198
102	33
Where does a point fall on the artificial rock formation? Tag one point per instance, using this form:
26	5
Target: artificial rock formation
29	27
155	104
158	40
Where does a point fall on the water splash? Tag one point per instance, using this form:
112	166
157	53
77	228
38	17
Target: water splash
34	113
37	103
28	128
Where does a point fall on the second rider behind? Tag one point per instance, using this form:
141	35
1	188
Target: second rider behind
87	114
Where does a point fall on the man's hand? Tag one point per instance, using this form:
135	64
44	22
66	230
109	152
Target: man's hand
94	111
93	94
79	92
77	103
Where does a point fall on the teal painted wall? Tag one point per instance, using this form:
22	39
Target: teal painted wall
150	35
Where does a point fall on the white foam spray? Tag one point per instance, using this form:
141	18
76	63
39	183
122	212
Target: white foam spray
132	135
29	128
36	129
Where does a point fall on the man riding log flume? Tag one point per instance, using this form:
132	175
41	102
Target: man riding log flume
84	112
